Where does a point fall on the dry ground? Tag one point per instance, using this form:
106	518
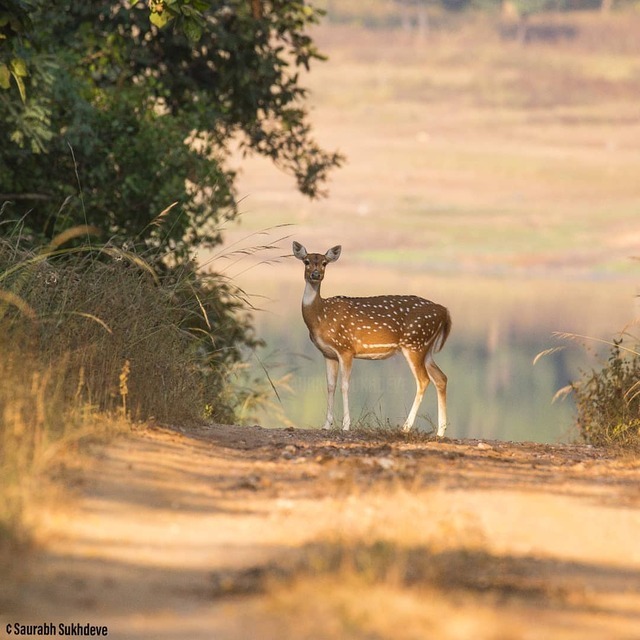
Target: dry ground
244	532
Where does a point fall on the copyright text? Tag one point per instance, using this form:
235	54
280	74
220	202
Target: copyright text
61	630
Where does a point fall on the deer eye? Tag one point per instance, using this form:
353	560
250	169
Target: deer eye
306	261
324	263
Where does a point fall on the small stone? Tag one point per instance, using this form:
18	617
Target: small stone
385	463
289	452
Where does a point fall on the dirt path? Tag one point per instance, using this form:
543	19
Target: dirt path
232	532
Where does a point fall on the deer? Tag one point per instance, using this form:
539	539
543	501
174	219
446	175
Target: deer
374	328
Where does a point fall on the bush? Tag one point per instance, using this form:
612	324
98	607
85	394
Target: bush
129	117
608	401
99	310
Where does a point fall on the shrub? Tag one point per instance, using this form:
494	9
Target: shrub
608	400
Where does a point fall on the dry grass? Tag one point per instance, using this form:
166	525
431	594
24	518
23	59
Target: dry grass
99	315
94	339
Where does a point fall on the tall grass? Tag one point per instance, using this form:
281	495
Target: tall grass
95	338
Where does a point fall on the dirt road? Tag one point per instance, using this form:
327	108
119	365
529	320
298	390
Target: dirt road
242	532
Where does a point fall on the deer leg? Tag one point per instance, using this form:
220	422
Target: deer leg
332	377
345	374
416	363
440	382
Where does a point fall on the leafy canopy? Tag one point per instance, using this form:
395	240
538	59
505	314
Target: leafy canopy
114	110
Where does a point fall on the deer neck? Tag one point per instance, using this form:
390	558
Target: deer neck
311	303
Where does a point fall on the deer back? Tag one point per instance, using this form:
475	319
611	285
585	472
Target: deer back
375	327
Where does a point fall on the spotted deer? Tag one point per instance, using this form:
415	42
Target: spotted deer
373	328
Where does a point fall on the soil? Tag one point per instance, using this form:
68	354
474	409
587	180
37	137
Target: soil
244	532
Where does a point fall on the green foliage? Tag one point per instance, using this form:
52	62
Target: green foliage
15	25
122	117
608	400
187	15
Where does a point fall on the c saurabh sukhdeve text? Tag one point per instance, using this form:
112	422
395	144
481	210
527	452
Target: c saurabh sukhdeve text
60	629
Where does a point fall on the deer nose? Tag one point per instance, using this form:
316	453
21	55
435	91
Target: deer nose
315	275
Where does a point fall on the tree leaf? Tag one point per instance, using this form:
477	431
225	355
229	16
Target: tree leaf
159	19
192	30
19	68
5	76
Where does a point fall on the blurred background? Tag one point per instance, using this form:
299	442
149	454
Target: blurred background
492	165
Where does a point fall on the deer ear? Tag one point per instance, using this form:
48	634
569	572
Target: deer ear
333	254
299	251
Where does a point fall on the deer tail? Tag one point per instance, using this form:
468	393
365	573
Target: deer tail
443	332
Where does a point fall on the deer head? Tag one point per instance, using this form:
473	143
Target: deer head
315	263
